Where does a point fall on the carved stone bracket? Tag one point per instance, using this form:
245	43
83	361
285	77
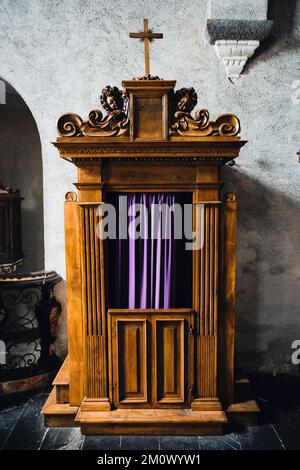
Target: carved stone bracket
236	29
234	55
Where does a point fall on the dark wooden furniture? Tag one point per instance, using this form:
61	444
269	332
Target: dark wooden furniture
167	371
29	314
11	255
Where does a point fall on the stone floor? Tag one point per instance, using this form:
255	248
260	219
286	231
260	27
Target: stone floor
21	426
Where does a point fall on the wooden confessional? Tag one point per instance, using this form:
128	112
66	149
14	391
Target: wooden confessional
149	371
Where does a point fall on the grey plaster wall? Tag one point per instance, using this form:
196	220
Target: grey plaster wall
238	9
59	54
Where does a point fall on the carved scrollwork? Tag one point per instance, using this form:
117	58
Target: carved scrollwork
115	123
69	125
95	118
183	123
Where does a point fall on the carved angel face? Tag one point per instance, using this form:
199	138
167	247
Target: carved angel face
112	103
186	99
184	103
112	99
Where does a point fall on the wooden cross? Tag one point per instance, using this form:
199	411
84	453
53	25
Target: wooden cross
146	37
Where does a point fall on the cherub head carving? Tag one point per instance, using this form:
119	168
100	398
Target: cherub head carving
185	99
112	99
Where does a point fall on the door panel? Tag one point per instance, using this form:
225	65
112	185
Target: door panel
130	362
151	357
169	361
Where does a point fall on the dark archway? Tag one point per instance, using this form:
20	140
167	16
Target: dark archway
21	168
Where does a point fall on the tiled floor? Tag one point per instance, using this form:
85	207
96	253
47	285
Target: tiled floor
21	426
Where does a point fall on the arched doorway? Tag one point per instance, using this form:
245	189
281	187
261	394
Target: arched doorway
21	168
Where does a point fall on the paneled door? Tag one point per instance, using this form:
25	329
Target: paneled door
169	365
151	359
130	353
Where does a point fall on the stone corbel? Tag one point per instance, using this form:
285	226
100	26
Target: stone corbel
234	55
237	32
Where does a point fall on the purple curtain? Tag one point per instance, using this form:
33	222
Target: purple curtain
150	256
145	274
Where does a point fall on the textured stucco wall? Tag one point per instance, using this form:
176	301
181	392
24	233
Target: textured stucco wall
59	54
238	9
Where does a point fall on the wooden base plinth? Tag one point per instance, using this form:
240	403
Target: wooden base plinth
151	422
95	404
58	415
202	404
95	417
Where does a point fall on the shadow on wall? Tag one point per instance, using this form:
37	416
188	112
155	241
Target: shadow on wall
283	17
268	273
283	29
21	168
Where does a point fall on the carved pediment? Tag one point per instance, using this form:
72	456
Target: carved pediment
114	124
178	120
184	124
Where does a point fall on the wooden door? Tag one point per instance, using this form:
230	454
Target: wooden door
130	357
151	358
169	361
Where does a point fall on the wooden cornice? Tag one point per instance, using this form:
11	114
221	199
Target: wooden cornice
80	150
